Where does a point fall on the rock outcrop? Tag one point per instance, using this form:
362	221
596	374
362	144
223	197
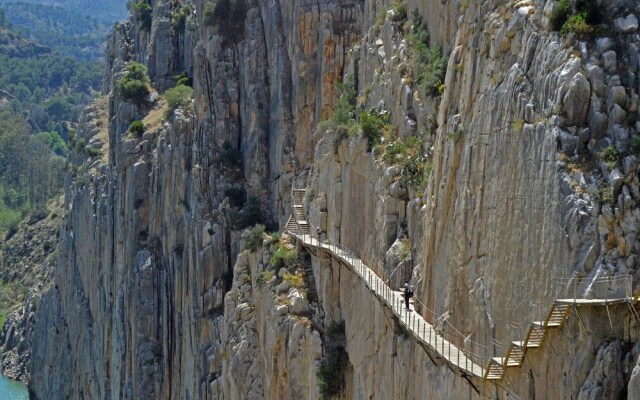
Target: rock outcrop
529	146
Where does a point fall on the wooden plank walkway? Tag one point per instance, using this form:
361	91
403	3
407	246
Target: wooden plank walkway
420	329
467	363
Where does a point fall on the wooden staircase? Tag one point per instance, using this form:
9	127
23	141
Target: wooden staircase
536	333
297	208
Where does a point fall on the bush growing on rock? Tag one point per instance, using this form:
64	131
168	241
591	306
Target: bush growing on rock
427	65
263	278
183	79
178	96
295	280
408	155
134	84
136	128
179	19
253	238
373	124
142	12
560	14
283	257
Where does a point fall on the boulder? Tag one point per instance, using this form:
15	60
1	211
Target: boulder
628	24
576	100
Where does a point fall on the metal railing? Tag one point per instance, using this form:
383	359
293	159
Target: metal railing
599	290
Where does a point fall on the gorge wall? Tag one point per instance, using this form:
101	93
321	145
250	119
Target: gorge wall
532	176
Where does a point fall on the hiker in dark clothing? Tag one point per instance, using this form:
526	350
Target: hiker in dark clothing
408	293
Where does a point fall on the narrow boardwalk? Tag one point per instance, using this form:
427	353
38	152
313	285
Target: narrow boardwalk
420	329
467	363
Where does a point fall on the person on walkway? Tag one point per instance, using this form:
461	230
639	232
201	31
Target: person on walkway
408	293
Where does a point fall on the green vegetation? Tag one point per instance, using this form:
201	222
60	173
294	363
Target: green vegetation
179	18
183	79
427	65
136	129
253	238
560	14
408	155
47	89
227	16
581	19
331	374
343	119
295	280
605	194
70	33
31	171
373	125
455	135
104	11
399	12
284	256
178	96
263	278
142	12
610	155
134	85
576	23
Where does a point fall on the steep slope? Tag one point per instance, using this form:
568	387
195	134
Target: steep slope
26	270
526	138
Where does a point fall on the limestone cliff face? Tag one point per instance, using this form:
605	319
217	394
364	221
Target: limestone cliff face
155	300
136	309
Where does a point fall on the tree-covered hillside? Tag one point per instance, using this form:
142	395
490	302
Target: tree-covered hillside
73	34
105	11
42	91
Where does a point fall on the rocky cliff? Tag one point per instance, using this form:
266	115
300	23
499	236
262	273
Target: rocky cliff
516	166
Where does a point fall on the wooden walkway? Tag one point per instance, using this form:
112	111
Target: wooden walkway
466	362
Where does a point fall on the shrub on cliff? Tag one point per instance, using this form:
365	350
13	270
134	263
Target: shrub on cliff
178	96
253	238
343	119
373	123
283	257
427	65
134	84
136	128
142	12
179	19
560	14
